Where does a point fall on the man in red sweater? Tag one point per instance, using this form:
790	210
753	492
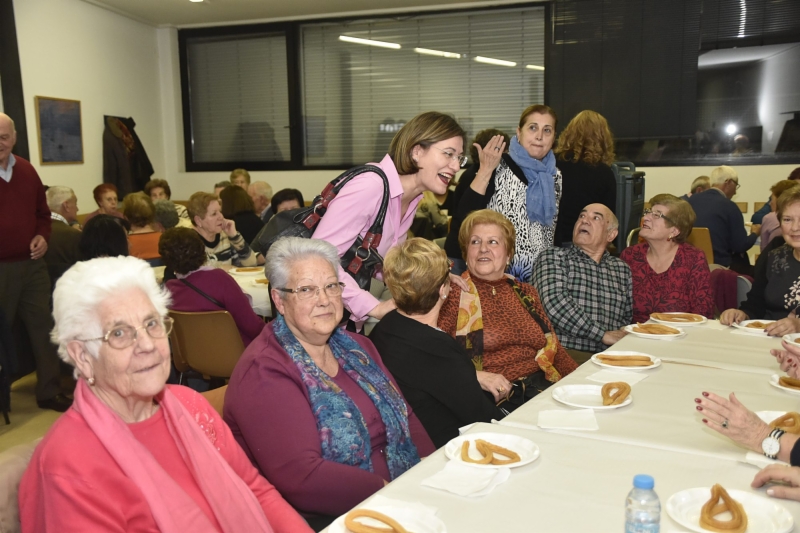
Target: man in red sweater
24	281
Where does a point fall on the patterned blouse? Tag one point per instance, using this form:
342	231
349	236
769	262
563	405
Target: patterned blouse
776	287
684	287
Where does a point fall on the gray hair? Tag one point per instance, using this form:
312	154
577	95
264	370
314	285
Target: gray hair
57	195
700	181
285	252
261	188
81	290
613	221
722	174
166	213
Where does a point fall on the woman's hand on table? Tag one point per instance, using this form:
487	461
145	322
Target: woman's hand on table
489	157
380	310
788	358
784	326
732	316
783	473
732	419
494	384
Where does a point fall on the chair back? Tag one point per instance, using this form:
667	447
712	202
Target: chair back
13	463
633	237
743	286
209	342
216	397
701	238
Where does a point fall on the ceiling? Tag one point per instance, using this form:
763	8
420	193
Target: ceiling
183	13
731	56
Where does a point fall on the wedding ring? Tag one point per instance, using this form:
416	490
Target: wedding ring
497	148
501	389
725	423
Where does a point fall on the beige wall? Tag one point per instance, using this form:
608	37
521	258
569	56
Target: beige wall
71	49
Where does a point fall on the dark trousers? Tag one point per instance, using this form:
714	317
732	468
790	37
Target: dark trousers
25	293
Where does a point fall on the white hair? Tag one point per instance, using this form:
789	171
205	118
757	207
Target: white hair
261	188
82	288
57	195
613	221
289	250
722	174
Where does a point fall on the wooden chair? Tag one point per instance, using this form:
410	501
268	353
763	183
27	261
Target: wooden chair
701	238
216	397
208	343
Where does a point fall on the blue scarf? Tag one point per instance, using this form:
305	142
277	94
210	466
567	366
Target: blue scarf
343	434
541	195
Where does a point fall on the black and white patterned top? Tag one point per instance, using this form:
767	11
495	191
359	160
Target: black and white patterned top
776	287
506	194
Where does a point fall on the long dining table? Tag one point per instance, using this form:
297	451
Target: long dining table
581	478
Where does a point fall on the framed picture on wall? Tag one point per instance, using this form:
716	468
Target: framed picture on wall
58	123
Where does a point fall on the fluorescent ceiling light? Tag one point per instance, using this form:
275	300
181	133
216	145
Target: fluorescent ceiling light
439	53
369	42
534	67
196	1
490	61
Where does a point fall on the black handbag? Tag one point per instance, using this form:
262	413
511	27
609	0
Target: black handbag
362	257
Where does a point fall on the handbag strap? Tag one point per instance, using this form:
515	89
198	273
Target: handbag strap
201	293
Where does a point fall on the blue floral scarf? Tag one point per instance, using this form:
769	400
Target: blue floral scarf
343	432
541	195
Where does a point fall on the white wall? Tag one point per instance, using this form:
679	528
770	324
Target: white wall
72	49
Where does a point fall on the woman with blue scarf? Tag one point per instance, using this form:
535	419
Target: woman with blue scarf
311	404
524	185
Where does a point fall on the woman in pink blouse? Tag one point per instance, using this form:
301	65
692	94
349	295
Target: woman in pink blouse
668	273
425	155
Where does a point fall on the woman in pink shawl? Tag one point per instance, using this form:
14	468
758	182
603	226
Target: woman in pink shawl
132	454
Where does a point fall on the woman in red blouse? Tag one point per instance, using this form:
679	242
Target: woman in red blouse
668	273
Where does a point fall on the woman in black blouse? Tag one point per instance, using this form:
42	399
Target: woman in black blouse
435	375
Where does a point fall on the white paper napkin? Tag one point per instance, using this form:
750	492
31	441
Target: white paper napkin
466	480
610	376
573	419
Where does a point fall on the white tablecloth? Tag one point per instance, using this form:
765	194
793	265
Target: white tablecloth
257	293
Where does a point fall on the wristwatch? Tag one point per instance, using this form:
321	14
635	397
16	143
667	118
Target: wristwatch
771	445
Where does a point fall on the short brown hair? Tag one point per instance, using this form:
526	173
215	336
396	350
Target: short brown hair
198	203
489	217
587	138
681	215
240	172
423	130
781	187
789	197
542	110
103	188
235	200
139	209
482	138
414	271
182	250
156	184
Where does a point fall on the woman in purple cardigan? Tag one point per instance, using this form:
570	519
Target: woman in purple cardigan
204	288
312	405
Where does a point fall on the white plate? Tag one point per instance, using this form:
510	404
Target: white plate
239	272
656	361
256	283
792	338
769	416
764	515
682	323
630	327
742	326
774	381
585	396
409	518
527	450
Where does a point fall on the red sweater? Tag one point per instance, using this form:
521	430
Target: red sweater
23	212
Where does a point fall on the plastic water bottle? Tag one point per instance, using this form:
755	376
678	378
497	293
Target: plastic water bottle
642	508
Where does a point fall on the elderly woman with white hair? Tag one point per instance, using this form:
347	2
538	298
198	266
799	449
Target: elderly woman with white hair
132	454
312	404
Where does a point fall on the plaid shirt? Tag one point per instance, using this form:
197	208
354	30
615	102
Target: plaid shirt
583	299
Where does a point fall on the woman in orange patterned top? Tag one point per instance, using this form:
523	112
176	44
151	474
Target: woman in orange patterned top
500	321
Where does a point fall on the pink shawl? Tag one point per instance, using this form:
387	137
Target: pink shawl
234	504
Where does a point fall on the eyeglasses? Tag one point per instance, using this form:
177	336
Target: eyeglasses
122	337
657	215
304	293
460	159
736	183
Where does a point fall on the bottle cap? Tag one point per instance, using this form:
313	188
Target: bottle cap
643	481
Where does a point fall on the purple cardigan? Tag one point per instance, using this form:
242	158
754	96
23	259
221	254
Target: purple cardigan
219	285
351	214
267	408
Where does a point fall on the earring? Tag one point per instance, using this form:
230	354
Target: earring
90	381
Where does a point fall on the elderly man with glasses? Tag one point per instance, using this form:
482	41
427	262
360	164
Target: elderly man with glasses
724	220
